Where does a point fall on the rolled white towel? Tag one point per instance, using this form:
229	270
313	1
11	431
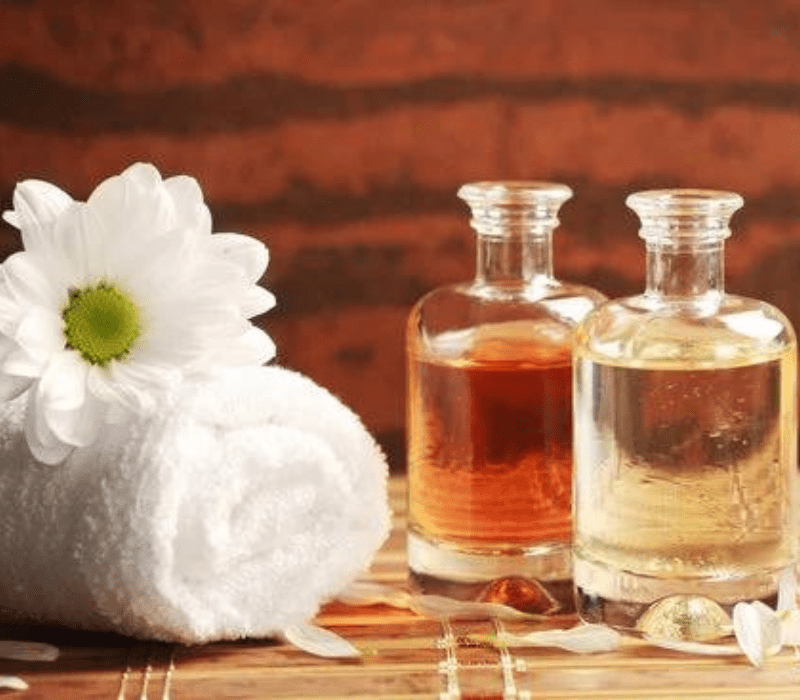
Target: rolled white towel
233	512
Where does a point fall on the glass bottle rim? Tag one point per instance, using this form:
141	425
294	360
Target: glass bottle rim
515	192
685	202
684	216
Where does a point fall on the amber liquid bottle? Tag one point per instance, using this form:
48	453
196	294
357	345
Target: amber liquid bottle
490	412
685	413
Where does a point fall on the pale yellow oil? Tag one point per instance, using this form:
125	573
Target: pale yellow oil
687	477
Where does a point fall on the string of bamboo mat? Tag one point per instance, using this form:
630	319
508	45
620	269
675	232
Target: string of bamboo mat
403	657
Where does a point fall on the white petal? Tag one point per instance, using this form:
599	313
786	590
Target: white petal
182	333
63	383
11	385
790	626
134	206
249	254
259	344
758	631
253	347
40	333
174	347
787	590
19	363
11	313
80	245
211	316
320	642
78	427
65	413
7	346
256	301
145	384
187	197
153	272
28	283
145	174
36	339
214	279
174	334
43	443
746	627
218	282
37	206
101	385
38	239
28	651
581	639
115	385
37	202
372	593
12	683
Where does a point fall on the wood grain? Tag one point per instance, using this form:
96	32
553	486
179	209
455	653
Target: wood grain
151	42
338	133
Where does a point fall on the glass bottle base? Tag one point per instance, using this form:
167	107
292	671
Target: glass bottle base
620	599
536	580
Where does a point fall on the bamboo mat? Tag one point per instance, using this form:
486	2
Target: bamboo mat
405	657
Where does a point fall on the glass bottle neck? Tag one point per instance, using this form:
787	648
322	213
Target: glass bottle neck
514	260
683	271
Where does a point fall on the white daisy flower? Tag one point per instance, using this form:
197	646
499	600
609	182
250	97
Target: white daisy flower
114	300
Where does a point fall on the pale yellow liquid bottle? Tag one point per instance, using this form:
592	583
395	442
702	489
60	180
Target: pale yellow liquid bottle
686	432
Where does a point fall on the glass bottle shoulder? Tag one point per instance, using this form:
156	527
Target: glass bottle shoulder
721	330
452	321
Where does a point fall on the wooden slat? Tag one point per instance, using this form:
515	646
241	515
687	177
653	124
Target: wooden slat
404	657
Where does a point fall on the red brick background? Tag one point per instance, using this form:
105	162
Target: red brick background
339	131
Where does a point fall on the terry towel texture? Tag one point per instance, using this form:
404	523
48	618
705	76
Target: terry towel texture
235	511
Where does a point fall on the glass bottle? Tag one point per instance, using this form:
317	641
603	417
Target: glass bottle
490	411
686	423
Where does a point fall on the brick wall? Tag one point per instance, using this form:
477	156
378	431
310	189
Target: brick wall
339	131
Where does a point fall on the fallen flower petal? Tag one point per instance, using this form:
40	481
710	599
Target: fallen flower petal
371	593
581	639
320	642
787	591
758	631
790	626
12	683
28	651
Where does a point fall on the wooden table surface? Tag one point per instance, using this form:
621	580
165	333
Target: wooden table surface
404	657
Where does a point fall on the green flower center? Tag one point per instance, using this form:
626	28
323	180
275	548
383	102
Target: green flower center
101	323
